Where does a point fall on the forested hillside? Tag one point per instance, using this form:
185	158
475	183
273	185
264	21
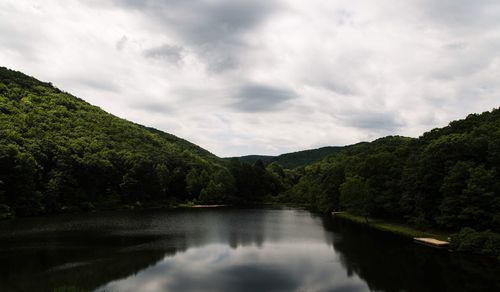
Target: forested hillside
449	179
293	159
266	159
59	153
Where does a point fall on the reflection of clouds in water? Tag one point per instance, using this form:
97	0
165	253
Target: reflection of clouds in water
227	226
270	267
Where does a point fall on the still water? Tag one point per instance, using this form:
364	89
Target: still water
225	250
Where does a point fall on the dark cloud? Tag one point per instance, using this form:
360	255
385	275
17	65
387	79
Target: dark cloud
262	98
372	120
99	84
170	53
202	22
154	107
338	87
463	14
213	29
120	44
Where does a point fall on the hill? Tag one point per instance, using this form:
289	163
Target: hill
447	179
293	159
58	152
251	159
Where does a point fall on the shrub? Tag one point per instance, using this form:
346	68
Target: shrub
480	242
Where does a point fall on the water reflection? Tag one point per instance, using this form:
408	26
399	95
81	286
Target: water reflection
223	250
389	263
271	267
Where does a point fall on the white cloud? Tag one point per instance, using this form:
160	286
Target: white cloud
266	77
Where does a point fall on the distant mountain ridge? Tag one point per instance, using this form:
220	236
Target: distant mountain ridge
293	159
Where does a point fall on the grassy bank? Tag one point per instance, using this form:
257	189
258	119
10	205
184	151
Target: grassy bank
396	228
7	214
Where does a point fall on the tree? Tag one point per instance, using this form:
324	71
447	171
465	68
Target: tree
454	200
482	199
196	180
220	189
356	197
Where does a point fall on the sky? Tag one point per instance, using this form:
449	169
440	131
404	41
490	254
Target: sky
244	77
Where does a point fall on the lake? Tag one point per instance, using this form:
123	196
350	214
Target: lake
225	249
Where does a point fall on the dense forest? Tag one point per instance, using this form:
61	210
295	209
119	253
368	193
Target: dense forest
447	179
61	154
293	159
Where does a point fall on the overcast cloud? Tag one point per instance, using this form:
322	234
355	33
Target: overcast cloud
265	76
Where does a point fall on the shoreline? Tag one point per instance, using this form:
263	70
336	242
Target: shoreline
394	228
209	206
137	206
437	239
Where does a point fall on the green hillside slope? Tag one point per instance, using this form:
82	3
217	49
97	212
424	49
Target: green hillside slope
293	159
447	179
59	152
251	159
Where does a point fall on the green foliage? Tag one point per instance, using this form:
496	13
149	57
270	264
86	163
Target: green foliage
196	180
470	240
356	197
294	159
255	184
469	197
379	165
389	226
221	188
447	179
59	153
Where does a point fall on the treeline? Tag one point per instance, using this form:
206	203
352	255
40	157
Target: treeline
449	179
294	159
59	153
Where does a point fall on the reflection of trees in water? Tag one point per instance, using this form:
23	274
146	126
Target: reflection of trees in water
391	263
246	230
94	256
76	264
227	226
237	238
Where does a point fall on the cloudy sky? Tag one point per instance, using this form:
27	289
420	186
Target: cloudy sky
265	76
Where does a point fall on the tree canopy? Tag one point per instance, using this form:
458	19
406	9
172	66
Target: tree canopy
58	153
